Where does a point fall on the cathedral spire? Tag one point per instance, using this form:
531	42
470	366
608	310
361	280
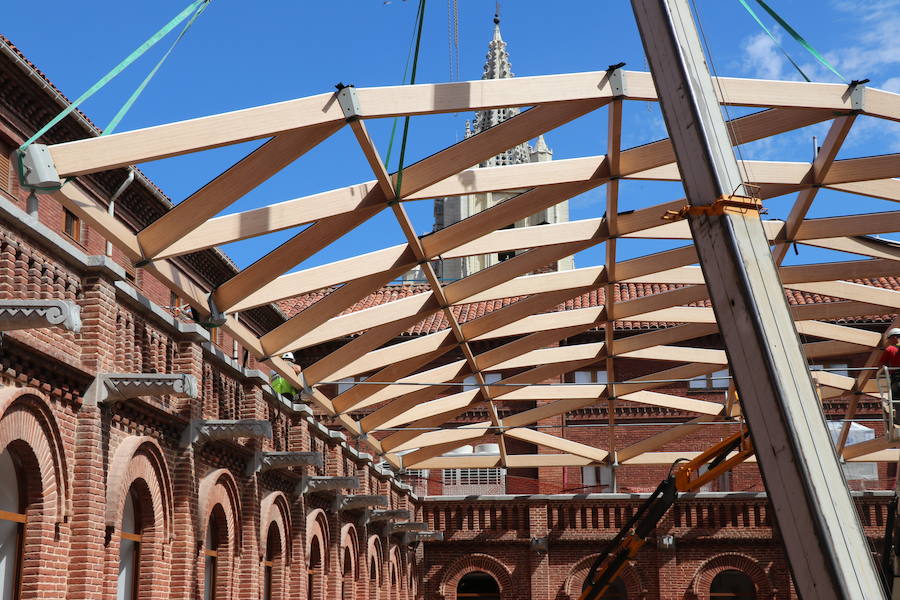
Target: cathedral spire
497	66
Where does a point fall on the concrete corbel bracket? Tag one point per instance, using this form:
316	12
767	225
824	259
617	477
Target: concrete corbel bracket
541	545
199	430
267	461
359	502
37	314
318	484
406	527
415	537
386	515
109	387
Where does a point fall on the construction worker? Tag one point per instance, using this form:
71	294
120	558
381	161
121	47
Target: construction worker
280	384
891	358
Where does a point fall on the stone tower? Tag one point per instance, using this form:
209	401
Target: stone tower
449	210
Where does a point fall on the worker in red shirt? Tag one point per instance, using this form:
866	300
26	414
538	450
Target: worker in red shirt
891	358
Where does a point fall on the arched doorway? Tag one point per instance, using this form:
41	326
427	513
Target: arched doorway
732	585
478	585
616	591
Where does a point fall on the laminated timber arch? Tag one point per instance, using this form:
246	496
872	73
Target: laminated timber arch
412	395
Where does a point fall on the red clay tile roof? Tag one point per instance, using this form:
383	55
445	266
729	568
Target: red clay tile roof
623	291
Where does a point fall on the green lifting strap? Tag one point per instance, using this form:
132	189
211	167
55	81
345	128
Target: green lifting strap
794	34
774	39
412	81
134	96
387	160
195	7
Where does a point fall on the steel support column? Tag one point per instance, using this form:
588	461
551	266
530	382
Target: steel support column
825	543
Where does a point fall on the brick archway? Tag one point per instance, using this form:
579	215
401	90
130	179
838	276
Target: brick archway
26	419
732	561
29	432
349	554
218	491
571	587
275	512
317	537
139	457
474	562
139	467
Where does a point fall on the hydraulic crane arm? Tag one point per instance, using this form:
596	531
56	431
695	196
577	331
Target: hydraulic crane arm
686	476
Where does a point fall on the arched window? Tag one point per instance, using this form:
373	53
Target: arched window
373	580
130	548
12	525
478	585
732	585
211	554
273	552
314	572
347	574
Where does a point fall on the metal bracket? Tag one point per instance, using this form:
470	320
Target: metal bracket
858	95
348	101
36	314
216	317
616	77
268	461
225	430
37	167
357	502
109	387
318	484
743	205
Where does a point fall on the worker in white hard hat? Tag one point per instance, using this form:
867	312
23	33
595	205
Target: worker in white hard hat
890	358
282	385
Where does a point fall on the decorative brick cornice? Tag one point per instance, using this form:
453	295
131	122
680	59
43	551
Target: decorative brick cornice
36	314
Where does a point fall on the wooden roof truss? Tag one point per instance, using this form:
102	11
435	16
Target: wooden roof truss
419	397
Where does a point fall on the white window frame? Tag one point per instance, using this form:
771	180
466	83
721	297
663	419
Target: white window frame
589	376
717	380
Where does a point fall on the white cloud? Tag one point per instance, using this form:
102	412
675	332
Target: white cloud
877	43
891	85
762	57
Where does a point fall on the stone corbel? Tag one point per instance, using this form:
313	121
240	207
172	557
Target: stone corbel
415	537
316	484
202	431
109	387
358	502
376	516
37	314
267	461
406	527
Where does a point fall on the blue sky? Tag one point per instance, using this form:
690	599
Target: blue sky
242	54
